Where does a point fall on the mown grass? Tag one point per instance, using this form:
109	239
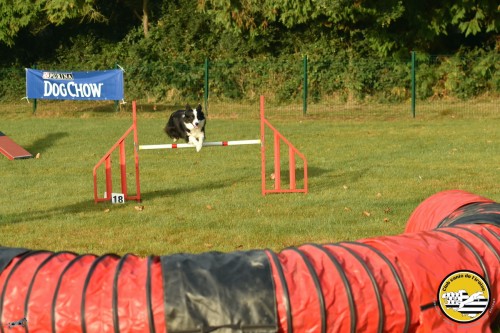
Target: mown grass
366	175
365	179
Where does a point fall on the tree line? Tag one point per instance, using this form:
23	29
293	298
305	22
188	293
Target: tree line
148	35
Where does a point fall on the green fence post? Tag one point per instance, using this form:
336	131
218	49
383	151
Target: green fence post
304	98
34	106
413	83
34	100
116	102
205	95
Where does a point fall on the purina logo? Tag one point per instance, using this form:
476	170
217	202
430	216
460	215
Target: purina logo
464	296
57	76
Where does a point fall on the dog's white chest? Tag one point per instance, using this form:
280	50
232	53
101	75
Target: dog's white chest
196	132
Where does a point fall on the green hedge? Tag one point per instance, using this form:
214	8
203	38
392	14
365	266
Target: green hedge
466	75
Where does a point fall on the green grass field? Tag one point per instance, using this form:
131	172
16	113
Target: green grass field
365	179
366	176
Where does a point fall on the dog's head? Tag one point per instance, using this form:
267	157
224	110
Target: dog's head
193	118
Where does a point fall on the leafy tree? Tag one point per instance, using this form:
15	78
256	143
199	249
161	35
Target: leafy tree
446	26
36	15
470	17
349	21
383	26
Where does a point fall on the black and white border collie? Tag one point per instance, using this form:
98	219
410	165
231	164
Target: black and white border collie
188	124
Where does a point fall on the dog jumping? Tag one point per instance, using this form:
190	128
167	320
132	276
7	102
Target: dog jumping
188	124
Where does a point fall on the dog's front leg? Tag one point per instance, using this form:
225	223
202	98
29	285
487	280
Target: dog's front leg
196	143
199	143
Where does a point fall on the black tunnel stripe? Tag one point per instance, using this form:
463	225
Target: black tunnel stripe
116	319
7	254
286	292
497	236
14	268
427	306
149	303
164	281
35	274
317	285
474	213
373	282
345	282
400	284
58	287
471	249
482	239
492	218
86	284
195	284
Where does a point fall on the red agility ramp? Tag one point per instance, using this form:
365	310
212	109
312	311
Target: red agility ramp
443	278
11	149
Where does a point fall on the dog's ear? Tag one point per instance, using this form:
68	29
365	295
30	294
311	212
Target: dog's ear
188	107
198	108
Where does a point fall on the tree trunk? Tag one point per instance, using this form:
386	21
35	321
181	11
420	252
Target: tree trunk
145	18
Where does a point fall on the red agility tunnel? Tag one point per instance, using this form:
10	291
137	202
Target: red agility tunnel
434	210
383	284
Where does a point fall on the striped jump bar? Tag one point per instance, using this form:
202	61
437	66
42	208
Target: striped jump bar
205	144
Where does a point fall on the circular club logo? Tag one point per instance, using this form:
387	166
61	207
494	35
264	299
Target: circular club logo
464	296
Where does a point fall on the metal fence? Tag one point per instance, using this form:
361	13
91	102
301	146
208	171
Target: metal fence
297	86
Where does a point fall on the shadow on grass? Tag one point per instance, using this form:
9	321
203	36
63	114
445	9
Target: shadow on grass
52	213
312	172
204	186
352	176
41	145
88	206
334	178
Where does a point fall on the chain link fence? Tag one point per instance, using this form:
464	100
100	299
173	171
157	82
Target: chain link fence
298	86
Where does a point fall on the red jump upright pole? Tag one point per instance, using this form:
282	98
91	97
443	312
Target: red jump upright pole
106	160
278	138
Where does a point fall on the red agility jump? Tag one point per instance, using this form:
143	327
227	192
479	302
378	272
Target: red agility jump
106	161
383	284
278	139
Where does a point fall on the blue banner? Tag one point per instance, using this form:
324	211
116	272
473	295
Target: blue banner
95	85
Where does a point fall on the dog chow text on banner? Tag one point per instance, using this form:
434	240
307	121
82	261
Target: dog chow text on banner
95	85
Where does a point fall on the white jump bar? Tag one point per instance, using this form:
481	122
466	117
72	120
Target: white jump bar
205	144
